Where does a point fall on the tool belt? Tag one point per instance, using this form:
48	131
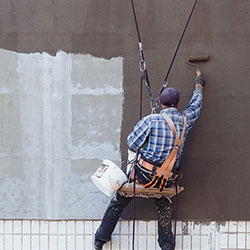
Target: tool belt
164	172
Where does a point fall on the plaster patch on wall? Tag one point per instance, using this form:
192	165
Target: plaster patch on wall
97	99
69	119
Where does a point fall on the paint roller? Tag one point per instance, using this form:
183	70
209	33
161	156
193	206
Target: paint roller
193	60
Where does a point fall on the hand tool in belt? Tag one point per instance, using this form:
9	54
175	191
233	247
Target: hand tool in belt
165	170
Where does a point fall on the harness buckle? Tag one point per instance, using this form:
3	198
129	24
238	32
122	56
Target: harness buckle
152	174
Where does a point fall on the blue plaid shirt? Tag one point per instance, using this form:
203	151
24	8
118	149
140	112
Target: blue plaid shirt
154	131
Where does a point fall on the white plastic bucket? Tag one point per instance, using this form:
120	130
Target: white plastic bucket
109	177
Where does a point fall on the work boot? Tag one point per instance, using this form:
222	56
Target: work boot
98	245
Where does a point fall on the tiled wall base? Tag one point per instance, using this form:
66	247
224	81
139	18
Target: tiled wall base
79	235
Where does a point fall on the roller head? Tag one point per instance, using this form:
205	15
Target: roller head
193	59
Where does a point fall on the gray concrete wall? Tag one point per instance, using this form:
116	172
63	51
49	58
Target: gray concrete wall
216	157
57	124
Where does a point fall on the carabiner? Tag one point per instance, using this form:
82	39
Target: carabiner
142	65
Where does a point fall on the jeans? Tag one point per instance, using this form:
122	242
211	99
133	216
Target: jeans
118	203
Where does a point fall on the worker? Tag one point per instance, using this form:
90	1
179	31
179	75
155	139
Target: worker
154	139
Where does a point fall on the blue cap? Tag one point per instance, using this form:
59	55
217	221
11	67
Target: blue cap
170	97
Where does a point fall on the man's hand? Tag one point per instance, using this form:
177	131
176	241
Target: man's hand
200	80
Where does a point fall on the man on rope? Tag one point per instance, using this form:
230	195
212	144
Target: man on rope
154	131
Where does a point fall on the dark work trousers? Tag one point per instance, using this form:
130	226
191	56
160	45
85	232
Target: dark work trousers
118	203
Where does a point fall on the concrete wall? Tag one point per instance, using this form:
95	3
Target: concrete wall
41	179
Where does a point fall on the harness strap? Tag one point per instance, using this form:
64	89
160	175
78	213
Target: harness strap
168	164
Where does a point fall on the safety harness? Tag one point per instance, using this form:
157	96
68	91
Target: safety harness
164	173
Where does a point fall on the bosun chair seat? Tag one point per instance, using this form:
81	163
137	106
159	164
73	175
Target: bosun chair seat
127	190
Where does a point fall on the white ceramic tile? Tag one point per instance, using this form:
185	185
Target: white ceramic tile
232	226
44	227
179	227
195	242
115	242
26	226
151	227
248	226
241	241
205	229
241	227
195	228
1	241
71	242
35	242
71	227
8	227
88	227
44	242
124	227
232	240
186	242
178	243
248	241
8	242
26	242
53	227
1	226
88	242
17	227
142	242
142	227
62	242
223	240
124	242
35	226
17	242
205	243
53	242
79	227
79	242
224	227
62	227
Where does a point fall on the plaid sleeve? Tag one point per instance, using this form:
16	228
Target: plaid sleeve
138	136
192	111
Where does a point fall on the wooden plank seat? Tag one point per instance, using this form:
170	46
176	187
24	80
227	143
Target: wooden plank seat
127	190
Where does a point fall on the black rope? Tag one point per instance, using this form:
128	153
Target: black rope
179	44
175	218
133	239
136	23
134	181
145	72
